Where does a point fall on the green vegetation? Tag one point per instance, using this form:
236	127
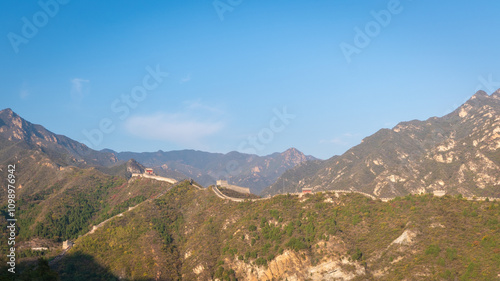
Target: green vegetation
32	271
74	214
433	250
69	207
188	229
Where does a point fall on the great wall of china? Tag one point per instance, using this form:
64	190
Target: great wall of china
172	181
219	194
223	196
247	191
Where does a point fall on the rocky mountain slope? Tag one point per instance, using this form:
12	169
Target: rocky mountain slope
252	171
134	167
17	134
457	153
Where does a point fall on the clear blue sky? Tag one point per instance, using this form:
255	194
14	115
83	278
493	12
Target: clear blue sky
232	66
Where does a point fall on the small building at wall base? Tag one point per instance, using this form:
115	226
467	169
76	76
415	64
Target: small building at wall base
307	190
439	193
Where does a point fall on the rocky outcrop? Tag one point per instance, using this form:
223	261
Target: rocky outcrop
134	167
292	265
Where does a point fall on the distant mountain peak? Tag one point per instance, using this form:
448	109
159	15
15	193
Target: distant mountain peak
299	156
496	94
15	127
292	150
481	98
479	94
293	155
7	111
8	114
61	149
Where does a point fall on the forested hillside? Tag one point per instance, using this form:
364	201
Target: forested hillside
190	234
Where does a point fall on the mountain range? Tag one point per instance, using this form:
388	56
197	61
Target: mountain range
247	170
457	153
138	228
18	136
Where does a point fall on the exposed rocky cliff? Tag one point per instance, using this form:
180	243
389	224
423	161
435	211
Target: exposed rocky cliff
134	167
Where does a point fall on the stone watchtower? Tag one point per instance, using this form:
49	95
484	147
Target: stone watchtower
222	183
67	244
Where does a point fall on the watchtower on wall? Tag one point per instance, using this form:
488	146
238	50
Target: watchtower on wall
67	244
223	183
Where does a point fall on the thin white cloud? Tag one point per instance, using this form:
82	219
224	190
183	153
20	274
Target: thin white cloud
177	128
79	88
186	79
192	126
390	124
24	92
337	141
198	105
343	140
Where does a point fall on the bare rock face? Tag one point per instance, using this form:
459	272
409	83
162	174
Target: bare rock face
298	266
134	167
406	238
456	153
